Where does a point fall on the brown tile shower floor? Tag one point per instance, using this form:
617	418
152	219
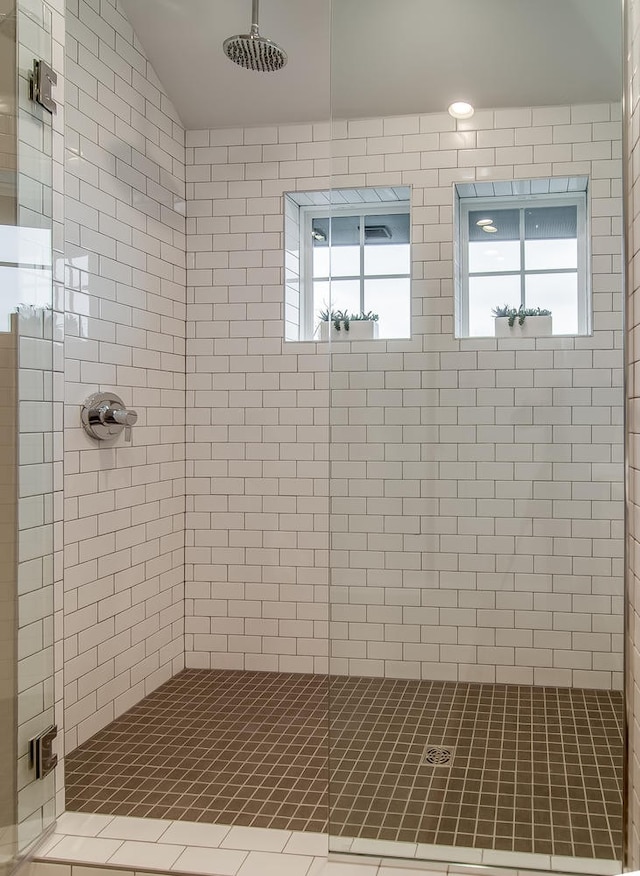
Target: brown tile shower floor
245	748
533	769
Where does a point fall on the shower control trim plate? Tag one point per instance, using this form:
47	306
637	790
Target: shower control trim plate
104	416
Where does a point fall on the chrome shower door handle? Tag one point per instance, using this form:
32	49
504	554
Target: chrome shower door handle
104	416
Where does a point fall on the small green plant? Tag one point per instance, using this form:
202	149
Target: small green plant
341	318
520	313
362	317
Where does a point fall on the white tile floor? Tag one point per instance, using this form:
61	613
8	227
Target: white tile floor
172	847
184	847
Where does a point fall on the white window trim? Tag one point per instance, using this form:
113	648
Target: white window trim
307	215
521	202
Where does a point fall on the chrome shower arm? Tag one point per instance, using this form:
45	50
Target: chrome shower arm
255	16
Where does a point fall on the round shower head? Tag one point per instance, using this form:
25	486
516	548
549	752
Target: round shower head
253	51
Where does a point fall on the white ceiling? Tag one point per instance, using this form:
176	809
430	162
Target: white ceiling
382	57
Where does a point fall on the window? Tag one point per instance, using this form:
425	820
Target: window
353	256
524	250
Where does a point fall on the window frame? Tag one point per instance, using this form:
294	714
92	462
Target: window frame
308	213
521	203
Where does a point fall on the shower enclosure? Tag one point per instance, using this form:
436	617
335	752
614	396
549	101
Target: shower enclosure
454	485
27	449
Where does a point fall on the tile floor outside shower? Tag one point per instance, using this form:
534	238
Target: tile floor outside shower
534	770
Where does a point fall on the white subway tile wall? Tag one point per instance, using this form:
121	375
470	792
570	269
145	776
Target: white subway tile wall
476	485
125	331
632	189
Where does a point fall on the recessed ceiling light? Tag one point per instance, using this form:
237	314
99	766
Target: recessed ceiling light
490	229
461	110
483	222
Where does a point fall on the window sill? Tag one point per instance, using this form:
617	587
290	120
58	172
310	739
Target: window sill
353	340
515	337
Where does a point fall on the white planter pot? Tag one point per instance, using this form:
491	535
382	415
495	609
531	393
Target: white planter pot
359	330
532	327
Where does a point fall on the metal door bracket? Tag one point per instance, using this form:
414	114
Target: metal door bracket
41	756
41	81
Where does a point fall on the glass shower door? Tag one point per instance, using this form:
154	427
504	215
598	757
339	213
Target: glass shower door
27	787
476	486
8	451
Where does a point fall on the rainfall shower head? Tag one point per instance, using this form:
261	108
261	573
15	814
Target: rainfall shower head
253	51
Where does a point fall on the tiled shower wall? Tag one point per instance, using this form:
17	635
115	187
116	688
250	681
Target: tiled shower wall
125	312
477	485
632	193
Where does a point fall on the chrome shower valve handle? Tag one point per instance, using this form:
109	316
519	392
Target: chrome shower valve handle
104	416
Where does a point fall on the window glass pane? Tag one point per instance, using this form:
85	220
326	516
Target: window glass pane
551	237
490	255
386	248
321	299
393	259
559	294
335	295
344	230
494	240
485	293
391	300
336	238
321	260
550	223
505	222
345	261
547	255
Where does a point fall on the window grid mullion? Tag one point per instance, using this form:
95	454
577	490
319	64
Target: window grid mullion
533	271
522	268
362	239
375	277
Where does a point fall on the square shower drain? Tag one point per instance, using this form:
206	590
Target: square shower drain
437	755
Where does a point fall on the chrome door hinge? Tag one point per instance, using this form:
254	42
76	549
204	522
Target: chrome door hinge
41	81
41	756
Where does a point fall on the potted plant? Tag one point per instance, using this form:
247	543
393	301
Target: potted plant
524	322
340	325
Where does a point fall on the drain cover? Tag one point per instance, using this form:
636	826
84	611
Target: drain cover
437	755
